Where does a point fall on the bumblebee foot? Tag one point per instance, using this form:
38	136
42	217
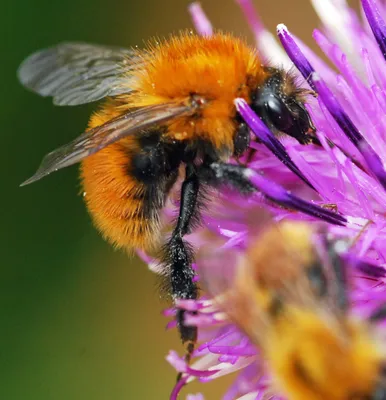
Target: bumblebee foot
188	337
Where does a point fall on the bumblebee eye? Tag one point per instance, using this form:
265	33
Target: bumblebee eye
278	113
282	111
288	116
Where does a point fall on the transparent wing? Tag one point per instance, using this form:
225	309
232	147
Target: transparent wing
78	73
101	136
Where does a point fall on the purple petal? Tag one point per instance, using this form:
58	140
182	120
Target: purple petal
294	52
374	162
320	65
372	159
335	109
376	23
370	269
318	85
279	195
251	16
266	43
200	20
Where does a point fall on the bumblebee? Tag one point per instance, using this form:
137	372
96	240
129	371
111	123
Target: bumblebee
288	293
169	107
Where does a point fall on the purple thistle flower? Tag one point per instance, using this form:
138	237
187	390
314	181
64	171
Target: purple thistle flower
346	174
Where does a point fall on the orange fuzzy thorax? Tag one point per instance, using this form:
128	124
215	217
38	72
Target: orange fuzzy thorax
219	68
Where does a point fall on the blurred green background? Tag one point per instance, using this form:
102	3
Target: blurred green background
78	320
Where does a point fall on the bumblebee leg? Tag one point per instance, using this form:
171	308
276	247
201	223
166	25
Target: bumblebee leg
218	173
180	256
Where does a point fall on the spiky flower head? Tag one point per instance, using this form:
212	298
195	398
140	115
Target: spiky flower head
342	183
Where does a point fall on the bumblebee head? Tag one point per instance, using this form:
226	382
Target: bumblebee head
280	104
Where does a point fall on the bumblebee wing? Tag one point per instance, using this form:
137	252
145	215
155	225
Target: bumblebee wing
101	136
78	73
